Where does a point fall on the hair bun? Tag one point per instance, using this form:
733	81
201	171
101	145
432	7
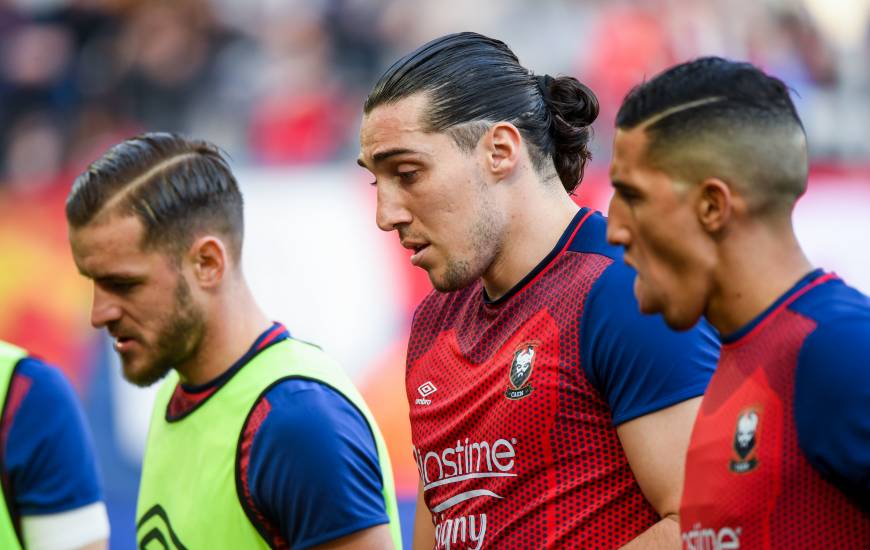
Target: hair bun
574	108
575	103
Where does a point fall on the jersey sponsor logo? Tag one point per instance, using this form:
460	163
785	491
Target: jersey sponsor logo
467	460
425	390
154	531
521	370
745	443
707	538
460	532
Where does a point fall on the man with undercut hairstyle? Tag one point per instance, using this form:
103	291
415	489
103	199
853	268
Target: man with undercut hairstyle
709	160
257	439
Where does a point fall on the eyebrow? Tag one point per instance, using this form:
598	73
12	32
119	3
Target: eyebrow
384	155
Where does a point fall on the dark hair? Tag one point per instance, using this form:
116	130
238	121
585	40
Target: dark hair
473	78
177	187
744	117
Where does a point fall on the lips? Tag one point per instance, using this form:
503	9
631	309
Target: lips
418	247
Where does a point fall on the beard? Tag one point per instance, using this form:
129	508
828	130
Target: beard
485	238
178	339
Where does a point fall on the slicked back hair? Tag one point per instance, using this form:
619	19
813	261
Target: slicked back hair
713	117
473	81
178	188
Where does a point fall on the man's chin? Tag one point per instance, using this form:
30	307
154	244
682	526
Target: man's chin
143	376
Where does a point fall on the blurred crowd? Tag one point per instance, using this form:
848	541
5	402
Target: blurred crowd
281	82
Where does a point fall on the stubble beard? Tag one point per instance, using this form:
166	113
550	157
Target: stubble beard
178	340
485	237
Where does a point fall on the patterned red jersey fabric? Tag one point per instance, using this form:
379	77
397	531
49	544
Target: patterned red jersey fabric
748	483
516	448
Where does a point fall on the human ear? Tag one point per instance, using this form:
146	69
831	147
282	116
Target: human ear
208	257
502	146
715	204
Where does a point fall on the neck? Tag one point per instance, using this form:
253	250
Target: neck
537	218
230	329
757	265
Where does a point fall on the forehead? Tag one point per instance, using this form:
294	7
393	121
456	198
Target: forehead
109	245
629	153
396	125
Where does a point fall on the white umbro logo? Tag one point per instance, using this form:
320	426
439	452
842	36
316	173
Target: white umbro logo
426	389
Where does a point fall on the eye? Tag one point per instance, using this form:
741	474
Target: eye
120	287
627	194
409	176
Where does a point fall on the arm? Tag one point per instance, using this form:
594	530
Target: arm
651	377
424	530
373	538
656	446
50	460
832	405
313	473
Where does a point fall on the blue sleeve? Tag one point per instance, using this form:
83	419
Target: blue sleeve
832	404
635	361
49	455
314	469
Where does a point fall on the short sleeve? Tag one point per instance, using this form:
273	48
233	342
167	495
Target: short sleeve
314	469
635	361
49	453
832	403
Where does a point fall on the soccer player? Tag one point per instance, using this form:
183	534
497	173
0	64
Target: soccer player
256	439
51	497
709	160
545	410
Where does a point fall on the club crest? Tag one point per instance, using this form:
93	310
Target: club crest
745	443
521	370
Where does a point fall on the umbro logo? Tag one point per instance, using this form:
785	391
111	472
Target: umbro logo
425	390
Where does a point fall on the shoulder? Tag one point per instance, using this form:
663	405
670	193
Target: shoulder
591	238
636	361
38	387
45	380
831	302
300	405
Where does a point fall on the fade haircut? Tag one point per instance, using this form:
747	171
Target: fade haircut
178	188
712	117
473	81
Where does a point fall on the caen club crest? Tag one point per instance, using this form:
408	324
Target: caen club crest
745	442
521	370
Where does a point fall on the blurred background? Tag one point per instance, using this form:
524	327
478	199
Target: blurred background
279	85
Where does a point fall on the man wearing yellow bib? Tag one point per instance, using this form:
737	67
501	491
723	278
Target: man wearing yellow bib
257	440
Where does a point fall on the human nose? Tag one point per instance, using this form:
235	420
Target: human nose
618	232
391	210
104	309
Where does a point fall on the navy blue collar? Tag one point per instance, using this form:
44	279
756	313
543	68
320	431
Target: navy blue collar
562	244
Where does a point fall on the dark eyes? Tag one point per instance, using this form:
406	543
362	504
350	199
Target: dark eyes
404	177
628	195
408	176
120	287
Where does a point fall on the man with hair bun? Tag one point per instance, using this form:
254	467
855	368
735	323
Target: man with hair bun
257	440
546	412
709	160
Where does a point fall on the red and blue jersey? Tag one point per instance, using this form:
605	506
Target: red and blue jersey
48	464
780	452
515	402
